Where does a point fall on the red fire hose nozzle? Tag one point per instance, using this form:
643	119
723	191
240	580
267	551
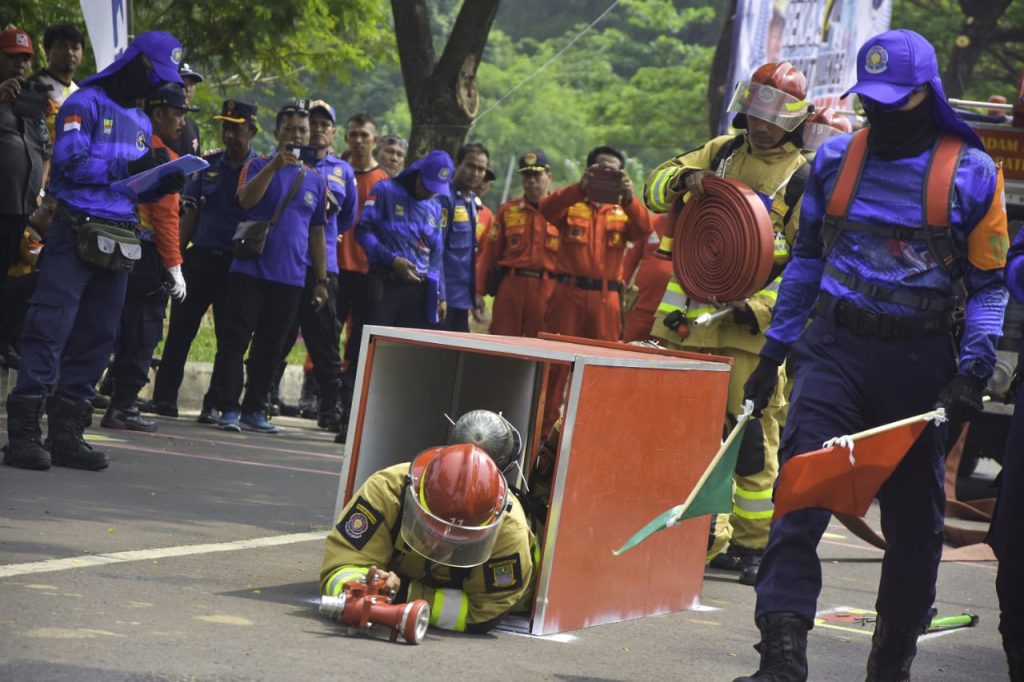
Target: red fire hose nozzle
362	606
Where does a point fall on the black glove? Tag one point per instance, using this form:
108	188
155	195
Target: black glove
745	316
962	398
170	184
761	385
154	158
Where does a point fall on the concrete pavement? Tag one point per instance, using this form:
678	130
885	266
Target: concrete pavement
196	555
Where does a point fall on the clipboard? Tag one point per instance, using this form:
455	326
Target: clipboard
137	184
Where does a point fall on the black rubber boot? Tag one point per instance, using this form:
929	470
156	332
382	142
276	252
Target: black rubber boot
24	448
68	420
892	652
751	563
783	649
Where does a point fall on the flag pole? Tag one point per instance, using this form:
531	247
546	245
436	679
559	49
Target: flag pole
939	413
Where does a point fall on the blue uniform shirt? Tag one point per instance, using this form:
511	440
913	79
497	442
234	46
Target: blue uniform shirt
890	193
286	256
459	248
214	189
96	138
341	181
394	223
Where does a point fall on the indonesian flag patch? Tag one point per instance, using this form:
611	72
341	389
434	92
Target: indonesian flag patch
73	122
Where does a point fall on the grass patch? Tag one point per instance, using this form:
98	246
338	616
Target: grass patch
204	346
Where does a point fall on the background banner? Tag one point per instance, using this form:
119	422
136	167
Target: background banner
107	23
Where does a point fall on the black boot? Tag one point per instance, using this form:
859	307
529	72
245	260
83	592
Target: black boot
783	649
127	419
1014	658
329	416
751	563
68	420
309	404
25	447
892	652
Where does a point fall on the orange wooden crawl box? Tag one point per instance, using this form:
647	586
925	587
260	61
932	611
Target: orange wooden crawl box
640	426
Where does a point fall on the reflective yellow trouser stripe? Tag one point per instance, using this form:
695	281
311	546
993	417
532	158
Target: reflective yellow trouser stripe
343	575
676	299
449	610
753	504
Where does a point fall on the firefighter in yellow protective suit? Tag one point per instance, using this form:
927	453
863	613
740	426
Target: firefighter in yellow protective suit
771	107
443	528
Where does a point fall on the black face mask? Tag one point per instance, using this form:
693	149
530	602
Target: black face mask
902	134
132	82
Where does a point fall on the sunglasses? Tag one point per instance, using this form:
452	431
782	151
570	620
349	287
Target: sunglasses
871	105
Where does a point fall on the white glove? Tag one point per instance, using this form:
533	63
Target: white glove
178	283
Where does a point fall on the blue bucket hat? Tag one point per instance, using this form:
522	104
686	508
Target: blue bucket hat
163	50
889	67
435	170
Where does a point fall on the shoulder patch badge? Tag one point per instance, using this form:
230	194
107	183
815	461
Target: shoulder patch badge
359	523
503	573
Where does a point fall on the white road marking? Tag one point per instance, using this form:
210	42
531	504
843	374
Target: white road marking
87	560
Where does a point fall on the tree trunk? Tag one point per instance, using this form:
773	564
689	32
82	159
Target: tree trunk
719	78
442	93
980	19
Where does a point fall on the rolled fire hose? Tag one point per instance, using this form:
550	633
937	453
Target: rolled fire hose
723	243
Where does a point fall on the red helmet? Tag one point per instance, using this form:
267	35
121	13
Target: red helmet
782	76
824	124
776	93
454	505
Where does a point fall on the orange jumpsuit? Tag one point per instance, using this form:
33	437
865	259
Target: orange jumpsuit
651	280
524	245
589	264
484	219
588	273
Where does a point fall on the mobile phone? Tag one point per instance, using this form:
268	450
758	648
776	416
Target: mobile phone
306	153
603	186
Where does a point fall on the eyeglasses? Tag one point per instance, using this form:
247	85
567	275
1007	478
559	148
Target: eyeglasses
871	105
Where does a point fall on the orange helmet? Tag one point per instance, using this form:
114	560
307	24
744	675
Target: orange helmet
454	505
824	124
776	93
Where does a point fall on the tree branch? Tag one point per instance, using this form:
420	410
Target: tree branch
415	45
468	37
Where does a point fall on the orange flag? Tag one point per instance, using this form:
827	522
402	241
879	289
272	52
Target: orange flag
846	474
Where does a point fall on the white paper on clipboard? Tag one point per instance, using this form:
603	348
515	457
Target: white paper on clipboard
139	183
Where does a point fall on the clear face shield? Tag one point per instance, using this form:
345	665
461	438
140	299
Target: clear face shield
446	541
815	134
768	104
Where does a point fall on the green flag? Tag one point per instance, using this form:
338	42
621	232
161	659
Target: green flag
711	495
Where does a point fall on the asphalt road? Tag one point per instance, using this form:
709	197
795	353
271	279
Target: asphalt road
196	555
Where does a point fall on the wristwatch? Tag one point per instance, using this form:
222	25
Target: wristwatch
323	281
979	369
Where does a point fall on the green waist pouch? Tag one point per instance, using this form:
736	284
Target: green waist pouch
108	247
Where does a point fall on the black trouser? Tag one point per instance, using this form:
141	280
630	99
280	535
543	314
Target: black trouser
206	275
142	327
260	311
397	303
12	227
14	305
353	299
457	320
322	336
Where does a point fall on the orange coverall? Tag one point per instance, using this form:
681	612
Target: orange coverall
588	272
524	245
651	280
162	219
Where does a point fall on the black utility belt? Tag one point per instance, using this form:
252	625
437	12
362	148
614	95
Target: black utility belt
526	272
74	218
865	322
589	283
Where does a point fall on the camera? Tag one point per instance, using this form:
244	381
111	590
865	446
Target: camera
306	153
31	101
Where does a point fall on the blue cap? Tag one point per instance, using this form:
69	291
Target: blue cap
323	106
163	50
435	171
889	67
